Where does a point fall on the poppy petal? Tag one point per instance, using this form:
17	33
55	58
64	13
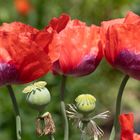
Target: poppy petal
59	24
127	127
131	18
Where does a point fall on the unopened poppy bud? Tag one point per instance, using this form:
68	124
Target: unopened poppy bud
85	102
38	96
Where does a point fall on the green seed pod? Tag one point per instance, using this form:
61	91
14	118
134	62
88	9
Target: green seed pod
85	103
37	95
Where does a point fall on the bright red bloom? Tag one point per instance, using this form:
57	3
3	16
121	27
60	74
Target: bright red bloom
123	45
24	54
22	6
127	127
80	47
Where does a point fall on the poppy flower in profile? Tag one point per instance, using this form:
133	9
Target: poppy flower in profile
79	44
122	48
127	127
22	6
22	59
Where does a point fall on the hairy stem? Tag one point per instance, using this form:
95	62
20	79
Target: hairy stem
62	91
15	106
118	107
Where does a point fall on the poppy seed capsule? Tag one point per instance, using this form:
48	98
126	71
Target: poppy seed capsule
85	102
37	95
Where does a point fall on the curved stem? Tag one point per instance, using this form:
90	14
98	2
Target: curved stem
66	127
15	106
118	107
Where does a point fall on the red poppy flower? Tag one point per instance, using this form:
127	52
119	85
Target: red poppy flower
22	6
127	127
123	45
21	57
80	47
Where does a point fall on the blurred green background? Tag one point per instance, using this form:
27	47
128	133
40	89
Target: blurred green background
103	83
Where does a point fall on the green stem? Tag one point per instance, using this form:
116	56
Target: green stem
83	136
15	106
51	137
118	107
66	127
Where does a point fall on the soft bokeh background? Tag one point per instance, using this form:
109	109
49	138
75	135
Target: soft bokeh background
103	83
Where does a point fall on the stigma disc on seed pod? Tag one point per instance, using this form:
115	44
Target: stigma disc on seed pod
85	102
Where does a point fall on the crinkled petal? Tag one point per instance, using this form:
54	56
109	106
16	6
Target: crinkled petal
132	18
59	24
127	126
106	24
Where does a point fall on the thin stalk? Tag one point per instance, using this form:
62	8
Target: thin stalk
16	109
83	136
118	107
63	109
51	137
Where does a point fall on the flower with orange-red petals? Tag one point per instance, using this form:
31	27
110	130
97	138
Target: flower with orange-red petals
24	54
127	127
23	7
122	49
79	44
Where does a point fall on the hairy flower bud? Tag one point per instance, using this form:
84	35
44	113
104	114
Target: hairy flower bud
37	95
85	102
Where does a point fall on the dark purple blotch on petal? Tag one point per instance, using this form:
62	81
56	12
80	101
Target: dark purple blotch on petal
56	68
85	67
8	74
129	63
